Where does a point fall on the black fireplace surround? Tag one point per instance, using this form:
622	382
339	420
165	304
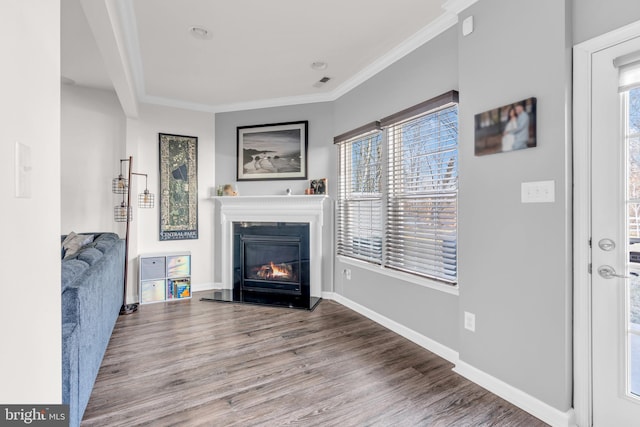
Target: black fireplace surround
271	263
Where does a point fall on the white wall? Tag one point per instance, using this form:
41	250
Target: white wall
143	145
92	144
30	328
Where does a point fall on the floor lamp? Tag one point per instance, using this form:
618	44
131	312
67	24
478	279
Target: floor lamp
124	213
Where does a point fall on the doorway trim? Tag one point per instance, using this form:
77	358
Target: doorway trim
582	124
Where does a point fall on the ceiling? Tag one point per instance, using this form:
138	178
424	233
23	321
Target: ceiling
256	53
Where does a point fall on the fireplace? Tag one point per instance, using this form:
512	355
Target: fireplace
271	258
271	249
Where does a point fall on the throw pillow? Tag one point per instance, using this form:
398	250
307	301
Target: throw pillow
74	244
69	237
64	243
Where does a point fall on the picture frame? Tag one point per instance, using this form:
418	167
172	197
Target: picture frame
318	186
508	128
178	187
272	151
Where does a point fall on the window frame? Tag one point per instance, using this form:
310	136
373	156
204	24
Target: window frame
433	105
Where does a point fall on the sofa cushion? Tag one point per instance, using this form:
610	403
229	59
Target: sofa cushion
104	241
71	269
89	255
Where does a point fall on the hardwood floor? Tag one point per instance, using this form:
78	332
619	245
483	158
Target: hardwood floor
193	363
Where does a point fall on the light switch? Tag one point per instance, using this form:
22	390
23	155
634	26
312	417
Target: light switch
538	192
23	171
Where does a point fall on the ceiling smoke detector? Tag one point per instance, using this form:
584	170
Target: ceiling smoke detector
322	81
200	33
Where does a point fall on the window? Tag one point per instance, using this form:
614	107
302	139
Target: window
398	187
360	198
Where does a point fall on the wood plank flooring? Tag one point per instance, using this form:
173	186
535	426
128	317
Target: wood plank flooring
194	363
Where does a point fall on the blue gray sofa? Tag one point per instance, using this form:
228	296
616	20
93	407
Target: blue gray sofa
92	287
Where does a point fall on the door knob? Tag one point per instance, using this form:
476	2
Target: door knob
608	272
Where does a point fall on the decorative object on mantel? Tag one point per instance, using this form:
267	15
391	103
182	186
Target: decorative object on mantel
228	190
273	151
178	187
124	213
507	128
318	186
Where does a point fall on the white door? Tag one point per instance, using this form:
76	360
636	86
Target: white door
615	238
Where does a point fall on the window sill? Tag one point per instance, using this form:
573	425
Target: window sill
421	281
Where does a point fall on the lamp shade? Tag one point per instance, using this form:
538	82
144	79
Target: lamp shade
119	185
145	199
120	213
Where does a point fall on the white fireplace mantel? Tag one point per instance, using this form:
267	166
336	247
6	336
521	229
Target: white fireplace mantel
303	209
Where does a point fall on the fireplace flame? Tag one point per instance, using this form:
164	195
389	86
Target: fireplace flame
273	271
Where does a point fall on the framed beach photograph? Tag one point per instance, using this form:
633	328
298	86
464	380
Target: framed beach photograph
273	151
178	187
507	128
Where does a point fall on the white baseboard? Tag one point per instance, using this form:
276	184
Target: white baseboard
206	286
526	402
424	342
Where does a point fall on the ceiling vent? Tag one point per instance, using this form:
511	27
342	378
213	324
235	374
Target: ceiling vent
322	81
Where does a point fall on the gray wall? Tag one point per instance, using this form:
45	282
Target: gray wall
321	160
320	157
427	72
515	259
592	18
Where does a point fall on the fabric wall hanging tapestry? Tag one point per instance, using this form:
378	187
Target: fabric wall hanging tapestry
275	151
178	187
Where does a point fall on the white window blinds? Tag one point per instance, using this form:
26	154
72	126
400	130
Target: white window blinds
398	190
360	197
421	231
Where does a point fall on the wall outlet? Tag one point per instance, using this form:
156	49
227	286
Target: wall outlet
470	321
347	273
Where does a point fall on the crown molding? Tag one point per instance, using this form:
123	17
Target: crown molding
238	106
